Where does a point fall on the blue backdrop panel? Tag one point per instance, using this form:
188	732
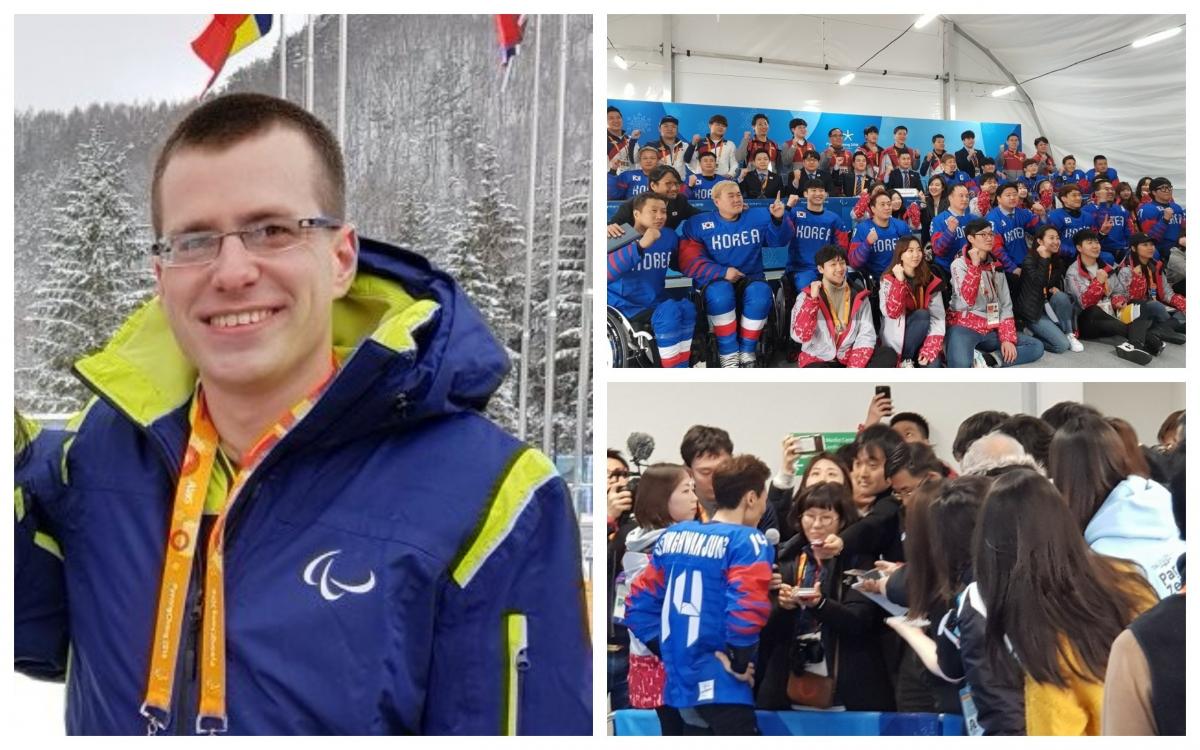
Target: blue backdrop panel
693	120
812	723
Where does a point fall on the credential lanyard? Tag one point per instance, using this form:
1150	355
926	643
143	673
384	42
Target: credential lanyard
186	516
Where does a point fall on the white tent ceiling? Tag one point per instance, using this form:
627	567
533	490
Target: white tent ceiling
1128	104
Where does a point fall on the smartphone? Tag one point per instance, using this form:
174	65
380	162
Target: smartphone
800	592
886	390
866	575
809	442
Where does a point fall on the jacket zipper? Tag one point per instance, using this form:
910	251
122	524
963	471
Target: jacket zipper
516	641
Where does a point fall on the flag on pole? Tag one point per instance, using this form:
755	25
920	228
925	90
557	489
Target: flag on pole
510	28
228	34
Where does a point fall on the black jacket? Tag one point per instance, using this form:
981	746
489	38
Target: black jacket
896	179
794	186
1038	276
876	535
964	162
843	185
997	690
678	210
754	188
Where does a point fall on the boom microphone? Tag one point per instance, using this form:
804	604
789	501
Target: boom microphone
640	446
772	536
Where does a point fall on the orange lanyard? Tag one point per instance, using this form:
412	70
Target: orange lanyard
186	518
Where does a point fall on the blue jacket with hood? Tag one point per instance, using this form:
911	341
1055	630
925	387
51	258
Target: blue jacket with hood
1135	523
476	621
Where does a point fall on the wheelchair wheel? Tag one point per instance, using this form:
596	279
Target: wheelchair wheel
619	343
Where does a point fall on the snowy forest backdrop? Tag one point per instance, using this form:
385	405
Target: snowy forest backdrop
437	160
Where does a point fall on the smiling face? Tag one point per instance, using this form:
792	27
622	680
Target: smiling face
1008	199
668	130
960	198
1089	250
835	139
668	186
881	206
1072	199
1012	142
652	214
615	122
761	126
247	322
1050	241
1145	252
911	257
833	271
648	159
762	160
728	200
867	479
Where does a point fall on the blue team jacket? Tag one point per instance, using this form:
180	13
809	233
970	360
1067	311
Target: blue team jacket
475	623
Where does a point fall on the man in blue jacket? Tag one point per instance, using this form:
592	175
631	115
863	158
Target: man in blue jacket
285	512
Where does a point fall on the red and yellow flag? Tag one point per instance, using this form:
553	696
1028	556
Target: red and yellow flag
226	35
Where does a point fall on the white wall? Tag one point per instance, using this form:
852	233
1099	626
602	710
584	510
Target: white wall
758	415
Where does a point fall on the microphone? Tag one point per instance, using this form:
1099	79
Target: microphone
640	446
772	536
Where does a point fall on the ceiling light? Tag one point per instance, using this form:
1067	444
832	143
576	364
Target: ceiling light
1156	37
845	79
924	20
1004	91
620	62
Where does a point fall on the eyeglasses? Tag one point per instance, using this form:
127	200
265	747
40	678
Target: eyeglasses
985	233
265	238
818	520
1162	187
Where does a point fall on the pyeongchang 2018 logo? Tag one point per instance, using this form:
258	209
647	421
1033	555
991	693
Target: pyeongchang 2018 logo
319	573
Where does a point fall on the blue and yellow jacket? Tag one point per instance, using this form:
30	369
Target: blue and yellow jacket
475	622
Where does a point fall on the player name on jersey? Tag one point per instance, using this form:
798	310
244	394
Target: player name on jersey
692	543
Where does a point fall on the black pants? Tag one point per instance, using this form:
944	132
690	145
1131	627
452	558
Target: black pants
670	721
1094	323
724	719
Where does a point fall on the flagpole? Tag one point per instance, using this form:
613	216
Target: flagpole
282	58
523	381
341	100
585	351
552	290
308	65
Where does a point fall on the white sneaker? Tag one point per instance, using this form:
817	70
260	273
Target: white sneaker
906	363
1076	344
980	360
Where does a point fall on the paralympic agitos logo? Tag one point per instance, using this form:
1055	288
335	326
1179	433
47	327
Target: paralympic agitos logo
317	573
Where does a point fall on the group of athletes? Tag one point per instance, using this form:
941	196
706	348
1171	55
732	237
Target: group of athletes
989	262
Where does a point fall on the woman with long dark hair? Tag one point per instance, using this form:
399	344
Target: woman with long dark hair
1055	604
992	697
1121	512
666	494
914	316
834	658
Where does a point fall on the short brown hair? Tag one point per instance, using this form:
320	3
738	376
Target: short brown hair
227	120
651	504
737	475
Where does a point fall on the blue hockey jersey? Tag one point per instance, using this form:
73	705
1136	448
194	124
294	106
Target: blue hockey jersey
637	277
1116	241
814	229
736	243
1068	222
874	258
702	190
628	184
946	244
1010	244
1164	233
704	589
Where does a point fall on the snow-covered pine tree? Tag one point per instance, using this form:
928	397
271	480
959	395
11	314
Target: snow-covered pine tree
571	278
92	273
479	254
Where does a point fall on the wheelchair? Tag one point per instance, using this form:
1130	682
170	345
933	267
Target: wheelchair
631	343
704	347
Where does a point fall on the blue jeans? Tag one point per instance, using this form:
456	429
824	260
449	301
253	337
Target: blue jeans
618	678
1160	313
961	344
1054	335
916	328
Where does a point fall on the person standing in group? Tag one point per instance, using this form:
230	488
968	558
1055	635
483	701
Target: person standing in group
1059	627
702	599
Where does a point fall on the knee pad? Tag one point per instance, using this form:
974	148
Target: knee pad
756	300
719	298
